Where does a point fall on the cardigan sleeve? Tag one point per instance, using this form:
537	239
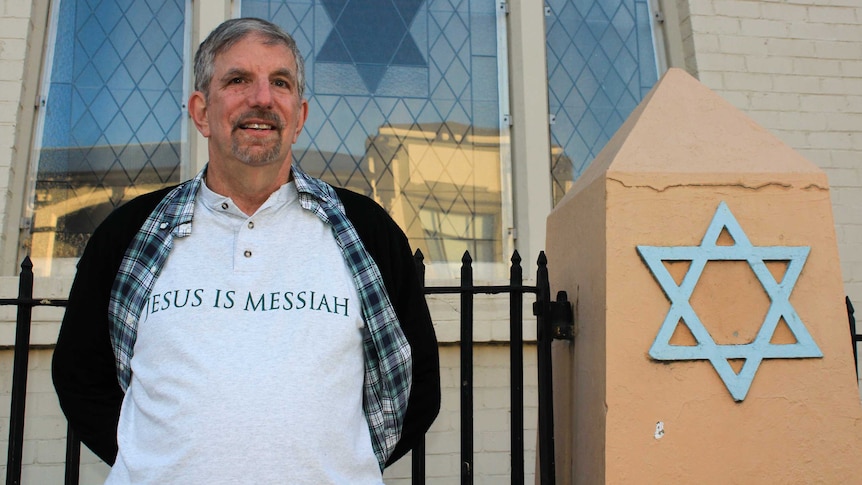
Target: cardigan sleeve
388	245
83	368
412	310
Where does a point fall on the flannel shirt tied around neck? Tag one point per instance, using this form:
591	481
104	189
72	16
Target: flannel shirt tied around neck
388	365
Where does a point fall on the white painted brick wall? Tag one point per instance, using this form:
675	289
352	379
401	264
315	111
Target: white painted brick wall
45	427
15	24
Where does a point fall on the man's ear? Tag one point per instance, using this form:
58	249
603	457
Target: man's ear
303	115
198	112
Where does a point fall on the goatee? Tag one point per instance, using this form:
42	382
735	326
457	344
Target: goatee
249	156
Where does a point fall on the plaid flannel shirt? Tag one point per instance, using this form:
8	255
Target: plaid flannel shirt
388	365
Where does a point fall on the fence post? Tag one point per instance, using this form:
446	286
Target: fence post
851	317
417	474
516	359
73	457
19	373
466	369
545	336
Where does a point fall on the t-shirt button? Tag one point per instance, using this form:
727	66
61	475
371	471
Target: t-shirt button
251	224
224	205
247	253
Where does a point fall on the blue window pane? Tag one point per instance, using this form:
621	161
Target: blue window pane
113	118
601	62
404	107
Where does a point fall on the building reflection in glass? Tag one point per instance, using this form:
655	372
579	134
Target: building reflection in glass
441	182
77	188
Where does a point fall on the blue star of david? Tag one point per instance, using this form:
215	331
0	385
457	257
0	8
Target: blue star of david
371	35
681	310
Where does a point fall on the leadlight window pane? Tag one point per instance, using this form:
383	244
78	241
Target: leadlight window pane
112	124
601	63
404	107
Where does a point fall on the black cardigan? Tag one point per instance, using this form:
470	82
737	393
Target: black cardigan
84	369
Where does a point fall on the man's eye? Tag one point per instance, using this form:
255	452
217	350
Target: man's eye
236	80
280	83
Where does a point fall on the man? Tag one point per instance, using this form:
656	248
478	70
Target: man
253	324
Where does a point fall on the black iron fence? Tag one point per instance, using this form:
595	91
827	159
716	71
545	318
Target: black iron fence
554	320
855	338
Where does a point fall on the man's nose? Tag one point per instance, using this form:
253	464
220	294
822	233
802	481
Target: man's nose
261	95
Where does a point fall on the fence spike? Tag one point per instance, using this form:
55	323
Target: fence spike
19	374
543	260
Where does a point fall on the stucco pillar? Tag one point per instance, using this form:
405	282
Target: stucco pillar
712	343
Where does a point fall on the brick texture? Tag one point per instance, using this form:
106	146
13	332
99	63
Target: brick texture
14	30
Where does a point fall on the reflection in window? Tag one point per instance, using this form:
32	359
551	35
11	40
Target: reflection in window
601	63
404	107
112	126
445	234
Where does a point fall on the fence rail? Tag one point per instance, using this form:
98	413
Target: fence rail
554	320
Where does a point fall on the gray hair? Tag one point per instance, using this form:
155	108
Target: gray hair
232	31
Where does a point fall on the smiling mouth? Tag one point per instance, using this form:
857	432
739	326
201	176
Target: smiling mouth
258	120
257	126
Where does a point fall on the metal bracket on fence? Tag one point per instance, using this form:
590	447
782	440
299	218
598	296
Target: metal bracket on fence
559	315
562	317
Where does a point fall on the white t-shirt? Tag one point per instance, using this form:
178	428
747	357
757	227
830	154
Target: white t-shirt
248	365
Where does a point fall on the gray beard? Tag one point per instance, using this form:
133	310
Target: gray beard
251	157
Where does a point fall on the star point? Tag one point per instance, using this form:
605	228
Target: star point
681	311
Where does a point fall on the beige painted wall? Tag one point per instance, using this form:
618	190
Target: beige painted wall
659	183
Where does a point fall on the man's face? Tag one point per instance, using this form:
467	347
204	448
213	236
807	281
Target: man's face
253	113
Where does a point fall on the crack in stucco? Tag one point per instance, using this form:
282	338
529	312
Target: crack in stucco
726	185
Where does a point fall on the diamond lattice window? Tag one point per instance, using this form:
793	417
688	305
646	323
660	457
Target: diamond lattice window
404	107
112	124
601	62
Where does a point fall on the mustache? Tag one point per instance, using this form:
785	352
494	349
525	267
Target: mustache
259	115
